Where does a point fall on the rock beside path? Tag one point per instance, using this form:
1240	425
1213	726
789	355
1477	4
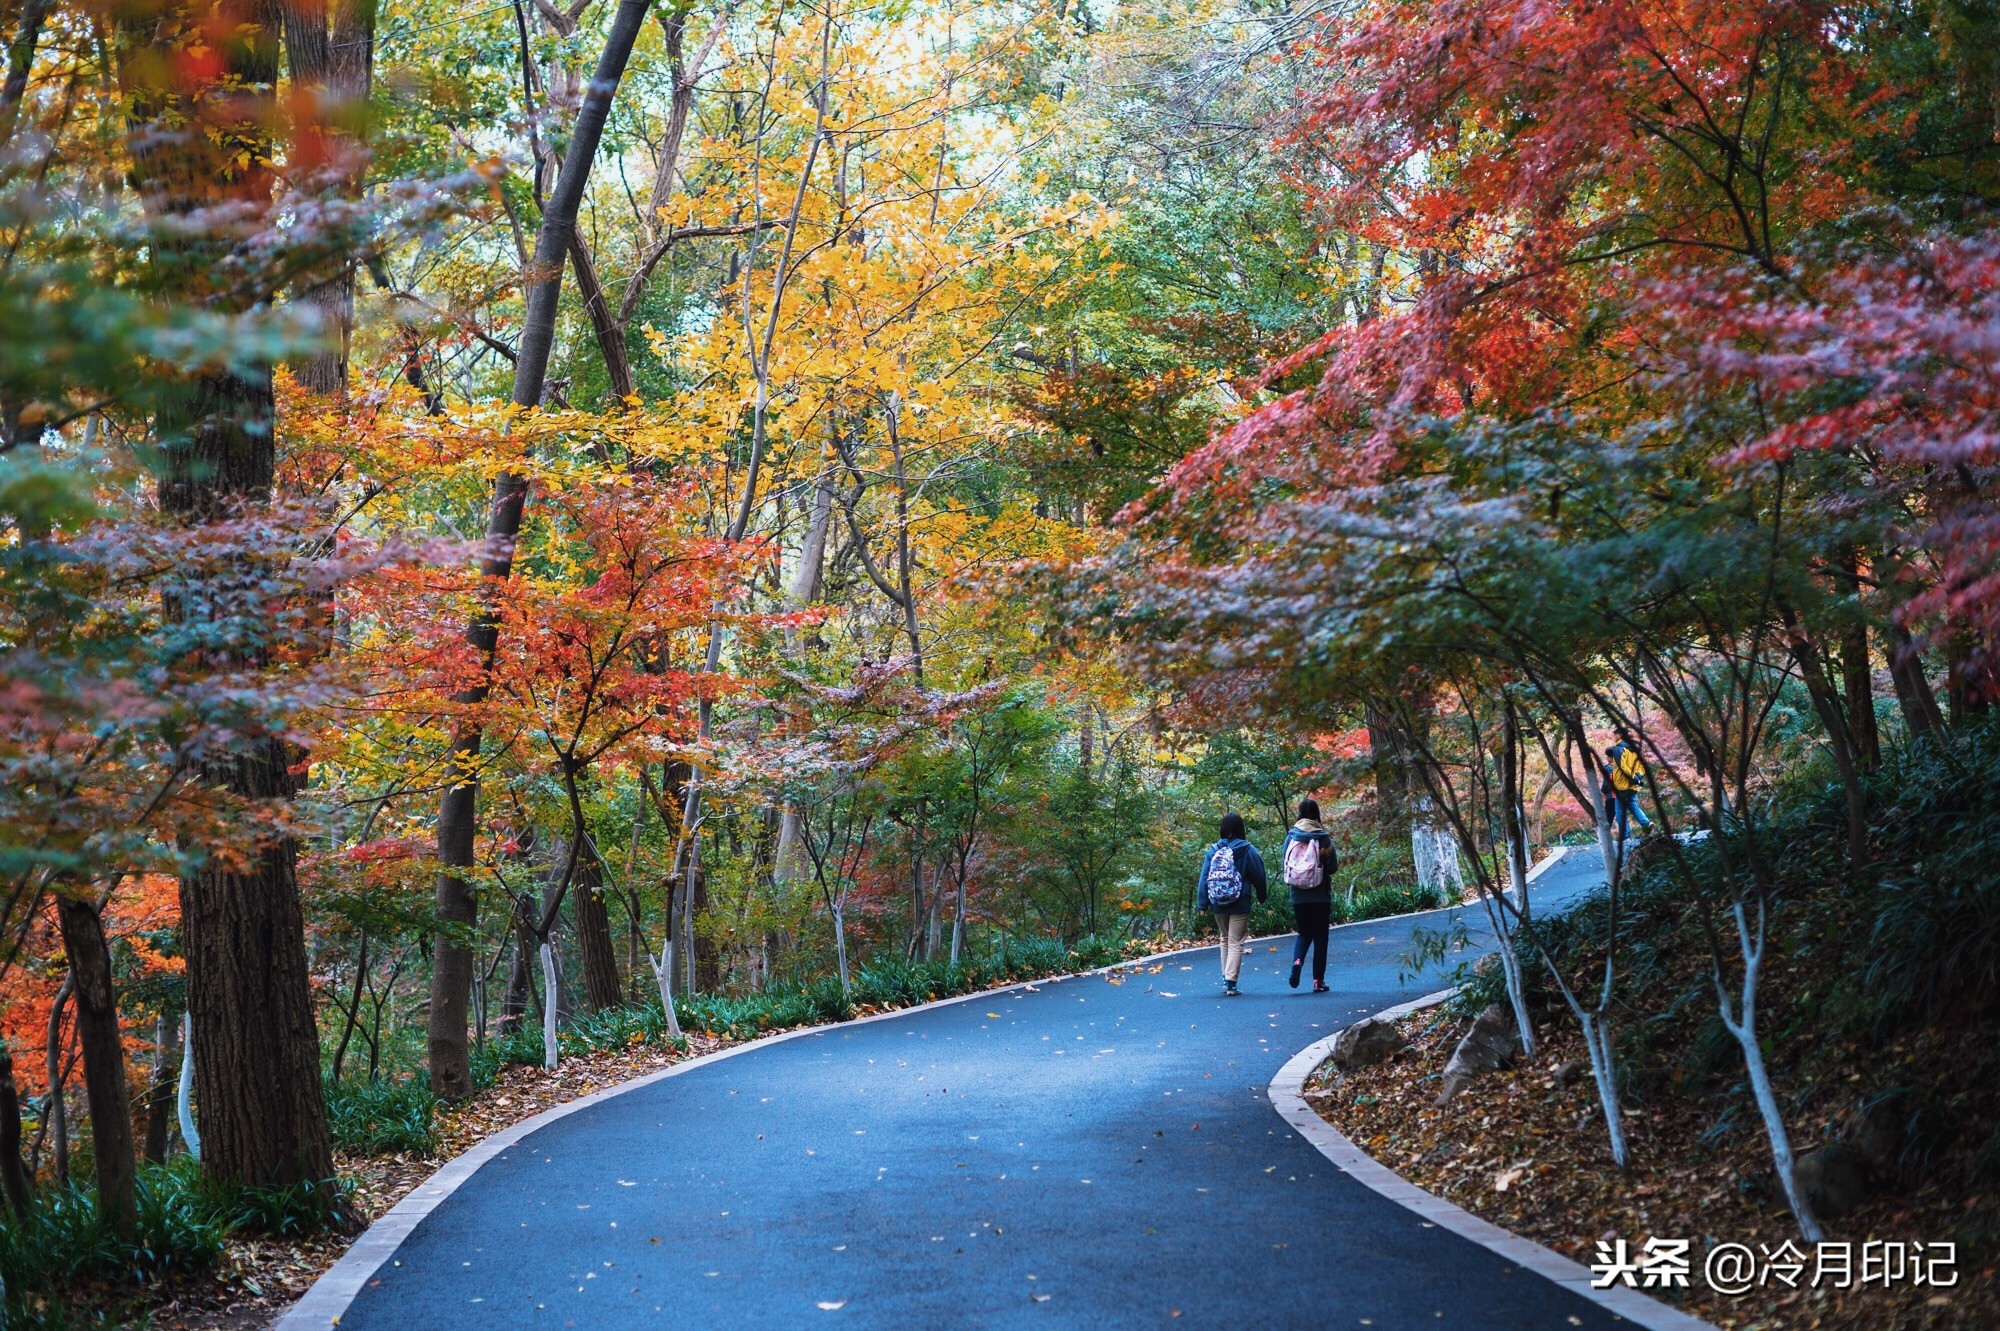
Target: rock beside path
1487	1047
1364	1044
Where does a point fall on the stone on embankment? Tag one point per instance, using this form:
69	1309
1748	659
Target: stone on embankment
1487	1047
1833	1179
1364	1044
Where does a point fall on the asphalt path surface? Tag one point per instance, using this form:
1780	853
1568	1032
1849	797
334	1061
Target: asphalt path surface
1094	1151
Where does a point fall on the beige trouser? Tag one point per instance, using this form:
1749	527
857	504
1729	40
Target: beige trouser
1234	929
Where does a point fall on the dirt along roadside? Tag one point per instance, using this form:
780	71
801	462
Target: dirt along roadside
1524	1148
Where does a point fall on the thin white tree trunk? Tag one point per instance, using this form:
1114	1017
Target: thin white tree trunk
184	1097
1510	961
663	978
1744	1028
549	990
840	949
1517	998
1597	1041
958	919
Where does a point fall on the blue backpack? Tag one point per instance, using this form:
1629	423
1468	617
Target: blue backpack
1223	882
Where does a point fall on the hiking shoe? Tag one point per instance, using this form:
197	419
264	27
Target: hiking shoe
1229	989
1319	987
1295	974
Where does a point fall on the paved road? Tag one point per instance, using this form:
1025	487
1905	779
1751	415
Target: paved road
1081	1153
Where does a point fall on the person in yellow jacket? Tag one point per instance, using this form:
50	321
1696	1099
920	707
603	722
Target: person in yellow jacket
1623	773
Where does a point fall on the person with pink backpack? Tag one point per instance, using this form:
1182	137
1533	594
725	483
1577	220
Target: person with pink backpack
1309	861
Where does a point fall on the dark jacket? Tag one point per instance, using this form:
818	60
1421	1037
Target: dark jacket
1248	863
1304	831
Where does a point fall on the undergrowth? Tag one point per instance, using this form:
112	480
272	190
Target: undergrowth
54	1257
1879	983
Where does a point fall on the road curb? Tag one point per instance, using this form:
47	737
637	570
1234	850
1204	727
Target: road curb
1288	1098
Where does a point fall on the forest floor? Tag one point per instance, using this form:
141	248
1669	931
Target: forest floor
1525	1149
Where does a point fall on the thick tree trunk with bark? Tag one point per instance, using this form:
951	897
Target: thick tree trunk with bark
1387	758
103	1047
602	988
256	1044
450	1050
334	70
1914	695
256	1070
13	1174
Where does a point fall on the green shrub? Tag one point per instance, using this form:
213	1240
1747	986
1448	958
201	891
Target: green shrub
1390	900
385	1117
182	1222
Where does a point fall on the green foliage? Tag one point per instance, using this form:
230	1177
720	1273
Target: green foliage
51	1256
893	981
1933	942
390	1116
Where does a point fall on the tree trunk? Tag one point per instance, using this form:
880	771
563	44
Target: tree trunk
20	63
785	861
1856	676
256	1043
333	75
449	1047
551	1008
1741	1022
1914	696
160	1090
610	337
1603	1071
243	933
601	986
13	1174
184	1090
1839	735
103	1047
352	1019
520	995
54	1111
840	950
555	996
1387	758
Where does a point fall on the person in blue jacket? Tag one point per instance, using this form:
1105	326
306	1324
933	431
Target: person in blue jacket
1231	871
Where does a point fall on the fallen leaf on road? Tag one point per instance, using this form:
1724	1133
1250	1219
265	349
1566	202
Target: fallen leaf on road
829	1306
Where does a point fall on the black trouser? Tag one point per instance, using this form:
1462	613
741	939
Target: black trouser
1313	918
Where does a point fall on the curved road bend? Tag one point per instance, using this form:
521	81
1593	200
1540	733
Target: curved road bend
1079	1153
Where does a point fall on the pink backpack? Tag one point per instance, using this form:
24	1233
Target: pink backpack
1302	862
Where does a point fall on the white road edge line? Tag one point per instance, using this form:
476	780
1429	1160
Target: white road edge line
324	1304
1288	1098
